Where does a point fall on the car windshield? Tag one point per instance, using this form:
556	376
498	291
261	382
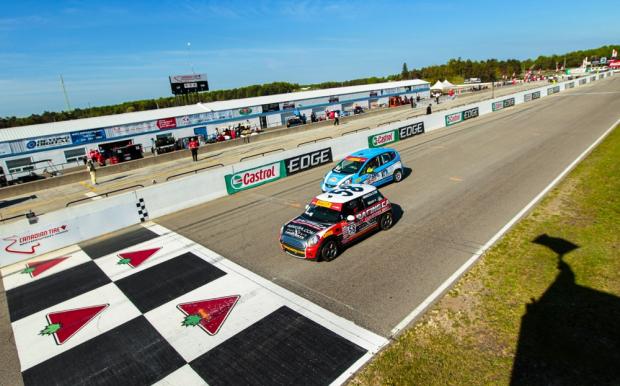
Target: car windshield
321	214
348	166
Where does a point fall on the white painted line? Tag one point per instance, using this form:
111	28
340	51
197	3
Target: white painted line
93	195
456	275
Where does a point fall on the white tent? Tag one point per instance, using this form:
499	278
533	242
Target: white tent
437	86
447	85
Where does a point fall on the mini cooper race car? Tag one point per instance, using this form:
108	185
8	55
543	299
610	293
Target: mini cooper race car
334	219
369	166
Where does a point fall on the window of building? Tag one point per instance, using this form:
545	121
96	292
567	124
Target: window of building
271	107
75	154
20	165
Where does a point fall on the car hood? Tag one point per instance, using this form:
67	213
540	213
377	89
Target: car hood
334	178
302	228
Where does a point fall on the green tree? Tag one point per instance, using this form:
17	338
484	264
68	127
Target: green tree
404	74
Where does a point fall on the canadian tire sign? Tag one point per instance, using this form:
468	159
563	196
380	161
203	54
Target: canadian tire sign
252	178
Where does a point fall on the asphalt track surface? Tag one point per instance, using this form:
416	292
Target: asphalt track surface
467	181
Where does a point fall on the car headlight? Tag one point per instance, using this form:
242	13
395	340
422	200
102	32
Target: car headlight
312	241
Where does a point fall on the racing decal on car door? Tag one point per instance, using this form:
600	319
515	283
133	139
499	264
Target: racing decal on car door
378	176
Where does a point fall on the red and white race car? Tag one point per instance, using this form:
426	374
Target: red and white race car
334	219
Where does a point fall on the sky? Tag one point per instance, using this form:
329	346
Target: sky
109	52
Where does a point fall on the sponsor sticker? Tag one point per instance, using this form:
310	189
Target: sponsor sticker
28	243
382	139
308	161
254	177
453	118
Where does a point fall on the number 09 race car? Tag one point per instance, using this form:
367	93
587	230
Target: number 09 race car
334	219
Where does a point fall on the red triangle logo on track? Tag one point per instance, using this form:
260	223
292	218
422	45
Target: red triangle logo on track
36	268
209	314
134	259
64	324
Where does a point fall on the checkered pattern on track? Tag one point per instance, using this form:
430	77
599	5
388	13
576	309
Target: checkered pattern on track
152	307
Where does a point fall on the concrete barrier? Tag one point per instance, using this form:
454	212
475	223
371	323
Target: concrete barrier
21	240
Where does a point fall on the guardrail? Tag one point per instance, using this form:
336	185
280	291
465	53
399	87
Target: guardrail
17	216
387	123
195	171
354	131
106	194
261	154
313	141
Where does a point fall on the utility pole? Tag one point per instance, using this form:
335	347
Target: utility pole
64	90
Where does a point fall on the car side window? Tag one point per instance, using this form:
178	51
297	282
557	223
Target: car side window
372	164
351	208
372	198
386	158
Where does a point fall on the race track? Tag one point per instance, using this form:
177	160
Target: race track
467	181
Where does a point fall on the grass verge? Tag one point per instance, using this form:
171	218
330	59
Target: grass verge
541	307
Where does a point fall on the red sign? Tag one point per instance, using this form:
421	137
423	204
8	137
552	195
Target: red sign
36	268
64	324
209	314
613	63
134	259
166	123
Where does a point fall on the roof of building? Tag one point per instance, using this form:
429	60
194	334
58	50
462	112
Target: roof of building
31	131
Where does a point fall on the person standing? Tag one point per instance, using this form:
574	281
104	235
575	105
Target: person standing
429	110
336	118
90	167
412	101
193	147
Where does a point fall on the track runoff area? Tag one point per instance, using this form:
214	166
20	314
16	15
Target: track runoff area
206	295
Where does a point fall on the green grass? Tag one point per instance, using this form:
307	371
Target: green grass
520	315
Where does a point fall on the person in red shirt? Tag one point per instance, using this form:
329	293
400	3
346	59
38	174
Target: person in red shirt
193	147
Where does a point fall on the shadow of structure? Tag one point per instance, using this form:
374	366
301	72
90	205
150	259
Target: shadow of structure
571	335
19	200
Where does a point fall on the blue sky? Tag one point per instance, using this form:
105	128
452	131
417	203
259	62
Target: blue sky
114	51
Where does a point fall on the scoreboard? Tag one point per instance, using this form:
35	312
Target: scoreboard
187	84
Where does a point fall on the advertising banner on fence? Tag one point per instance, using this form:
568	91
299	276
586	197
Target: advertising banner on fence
252	178
382	139
396	135
471	113
308	161
553	90
453	118
503	104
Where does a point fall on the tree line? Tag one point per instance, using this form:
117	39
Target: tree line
456	70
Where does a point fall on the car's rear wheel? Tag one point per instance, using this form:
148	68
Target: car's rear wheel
329	250
386	221
398	175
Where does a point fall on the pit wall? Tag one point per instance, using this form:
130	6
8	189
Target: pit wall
21	240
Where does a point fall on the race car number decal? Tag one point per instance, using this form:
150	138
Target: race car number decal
348	230
347	190
374	177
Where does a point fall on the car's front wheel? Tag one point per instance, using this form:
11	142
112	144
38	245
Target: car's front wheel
329	250
398	175
386	221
